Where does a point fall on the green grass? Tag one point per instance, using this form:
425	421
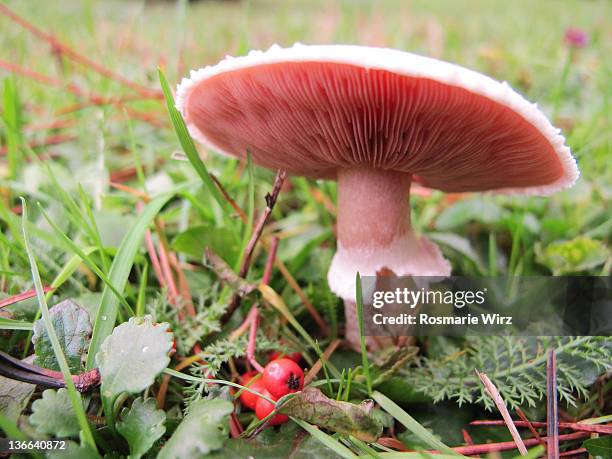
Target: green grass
86	235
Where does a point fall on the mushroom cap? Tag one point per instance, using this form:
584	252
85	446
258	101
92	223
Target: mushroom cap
314	109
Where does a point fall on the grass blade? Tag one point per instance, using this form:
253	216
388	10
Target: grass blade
11	324
411	424
327	440
118	276
364	353
84	257
140	302
75	398
12	121
189	147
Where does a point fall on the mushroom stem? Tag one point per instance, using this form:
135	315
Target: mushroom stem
373	207
374	232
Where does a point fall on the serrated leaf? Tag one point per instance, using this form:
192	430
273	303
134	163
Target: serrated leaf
53	414
141	425
73	329
203	430
133	355
313	406
14	397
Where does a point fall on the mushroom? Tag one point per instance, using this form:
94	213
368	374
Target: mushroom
376	120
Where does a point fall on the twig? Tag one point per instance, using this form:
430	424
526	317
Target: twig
152	251
252	346
100	101
22	296
530	426
167	273
224	272
575	426
552	413
485	448
261	222
51	125
230	200
280	265
468	439
235	426
391	442
307	304
123	175
49	141
57	46
510	445
183	286
133	191
94	99
257	230
267	275
13	368
574	452
501	406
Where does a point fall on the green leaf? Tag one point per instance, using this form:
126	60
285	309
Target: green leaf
132	356
579	254
346	418
14	397
194	240
73	329
203	430
112	226
53	415
599	447
118	275
141	425
475	209
460	244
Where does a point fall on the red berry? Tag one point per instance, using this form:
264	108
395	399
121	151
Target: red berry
249	399
264	408
295	356
283	376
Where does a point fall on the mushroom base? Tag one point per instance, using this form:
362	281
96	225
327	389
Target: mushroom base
408	255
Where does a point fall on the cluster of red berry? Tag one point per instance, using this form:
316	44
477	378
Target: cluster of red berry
281	376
